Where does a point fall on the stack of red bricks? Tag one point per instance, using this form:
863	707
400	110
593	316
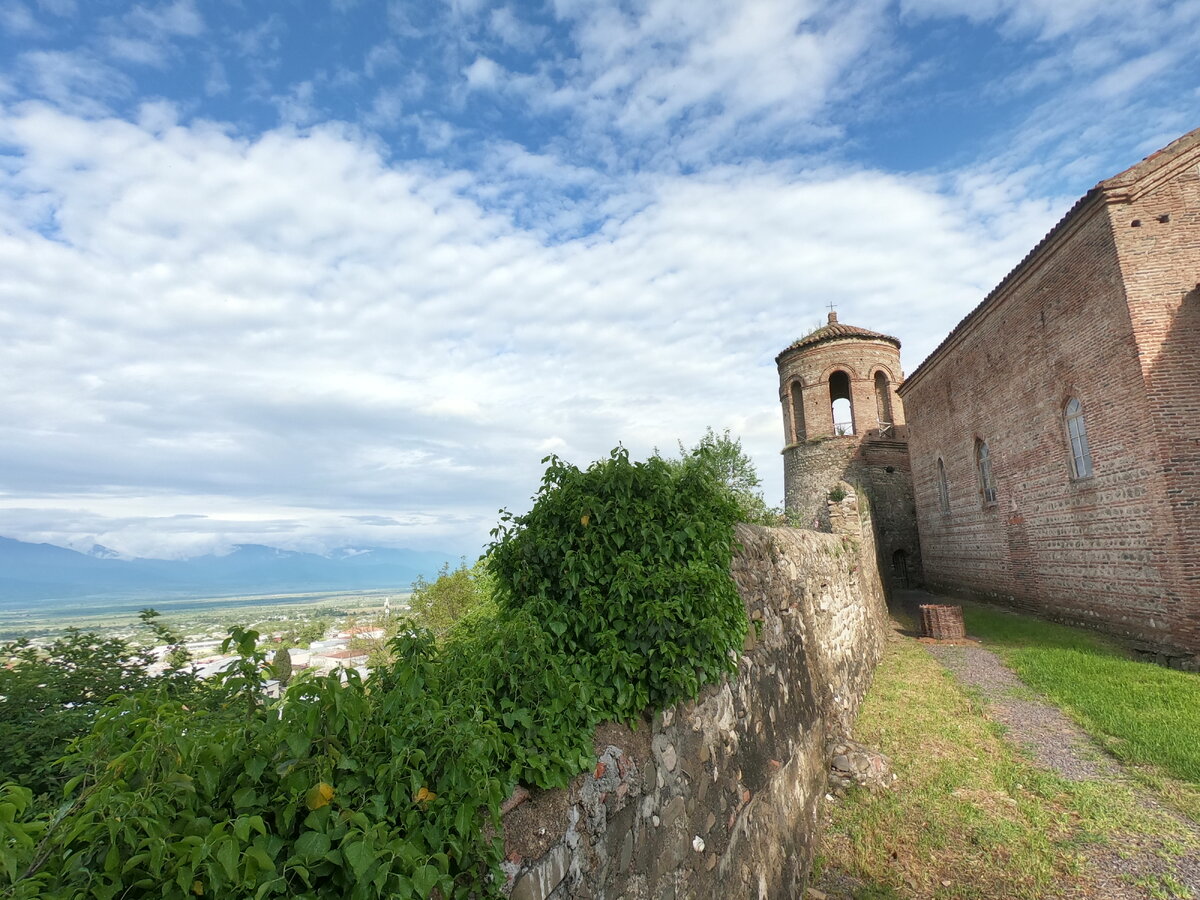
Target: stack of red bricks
944	623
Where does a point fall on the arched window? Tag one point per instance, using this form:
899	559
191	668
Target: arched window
943	488
798	433
983	462
839	399
1081	454
883	400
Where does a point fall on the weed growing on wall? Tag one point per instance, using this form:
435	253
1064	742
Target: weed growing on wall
612	592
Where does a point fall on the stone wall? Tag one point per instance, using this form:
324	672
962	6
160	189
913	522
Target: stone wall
720	797
881	468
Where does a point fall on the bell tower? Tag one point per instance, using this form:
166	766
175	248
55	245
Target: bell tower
842	419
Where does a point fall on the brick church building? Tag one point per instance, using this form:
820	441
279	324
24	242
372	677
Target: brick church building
1054	436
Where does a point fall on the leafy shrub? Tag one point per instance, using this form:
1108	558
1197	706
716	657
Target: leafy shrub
375	788
437	605
50	697
722	455
613	591
627	564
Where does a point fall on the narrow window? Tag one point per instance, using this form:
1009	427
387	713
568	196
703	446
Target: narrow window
798	433
943	488
839	398
1081	454
883	402
983	461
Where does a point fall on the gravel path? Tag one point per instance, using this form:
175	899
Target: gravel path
1053	740
1058	744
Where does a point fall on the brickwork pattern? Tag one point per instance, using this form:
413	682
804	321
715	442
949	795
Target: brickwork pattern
816	459
809	369
1105	311
1160	265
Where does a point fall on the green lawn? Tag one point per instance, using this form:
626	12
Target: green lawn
971	818
1145	714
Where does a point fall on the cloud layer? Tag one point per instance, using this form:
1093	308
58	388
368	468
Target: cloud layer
359	301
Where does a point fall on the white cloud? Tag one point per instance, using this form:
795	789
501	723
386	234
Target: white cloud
75	81
464	8
676	81
298	106
218	324
178	18
61	8
17	19
380	57
136	50
484	74
1132	74
514	32
216	83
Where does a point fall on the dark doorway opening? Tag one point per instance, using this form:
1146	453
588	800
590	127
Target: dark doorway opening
900	569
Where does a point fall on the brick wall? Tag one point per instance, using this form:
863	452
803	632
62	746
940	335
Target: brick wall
1099	312
812	366
1160	262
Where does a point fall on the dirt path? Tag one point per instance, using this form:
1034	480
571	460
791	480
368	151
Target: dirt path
1136	867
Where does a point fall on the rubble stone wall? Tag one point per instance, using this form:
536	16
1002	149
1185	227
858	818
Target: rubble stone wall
720	797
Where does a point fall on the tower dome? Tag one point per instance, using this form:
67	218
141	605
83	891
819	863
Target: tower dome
840	381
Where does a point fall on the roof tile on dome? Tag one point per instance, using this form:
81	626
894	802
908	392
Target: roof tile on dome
834	331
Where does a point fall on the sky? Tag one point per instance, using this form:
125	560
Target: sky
341	273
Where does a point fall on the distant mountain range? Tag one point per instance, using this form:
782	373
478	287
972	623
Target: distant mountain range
33	572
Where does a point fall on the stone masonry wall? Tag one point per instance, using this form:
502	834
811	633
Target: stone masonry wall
720	797
881	468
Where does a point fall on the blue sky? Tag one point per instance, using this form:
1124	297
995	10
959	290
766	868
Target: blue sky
318	274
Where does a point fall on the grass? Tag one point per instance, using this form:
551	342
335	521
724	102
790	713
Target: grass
970	817
1143	713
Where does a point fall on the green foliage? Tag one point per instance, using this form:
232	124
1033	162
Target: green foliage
304	633
1144	713
612	591
50	697
837	494
376	788
437	605
722	455
627	564
281	665
177	656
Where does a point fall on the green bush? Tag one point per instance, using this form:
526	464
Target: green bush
722	455
627	564
612	592
438	604
50	697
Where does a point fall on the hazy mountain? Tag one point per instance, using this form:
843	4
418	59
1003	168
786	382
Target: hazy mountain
31	572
